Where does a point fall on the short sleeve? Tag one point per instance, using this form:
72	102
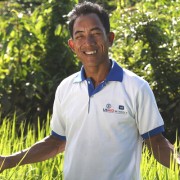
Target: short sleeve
57	123
148	117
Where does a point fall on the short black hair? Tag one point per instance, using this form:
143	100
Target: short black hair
85	8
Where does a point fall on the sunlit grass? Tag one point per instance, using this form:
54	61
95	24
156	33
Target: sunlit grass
11	141
152	170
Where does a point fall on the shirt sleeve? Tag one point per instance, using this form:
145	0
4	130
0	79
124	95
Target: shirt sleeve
57	123
148	117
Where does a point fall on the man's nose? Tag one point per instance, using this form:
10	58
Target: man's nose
90	40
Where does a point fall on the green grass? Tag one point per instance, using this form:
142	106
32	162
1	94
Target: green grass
11	142
51	169
152	170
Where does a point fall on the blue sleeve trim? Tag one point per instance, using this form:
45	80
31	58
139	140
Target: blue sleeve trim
59	136
153	132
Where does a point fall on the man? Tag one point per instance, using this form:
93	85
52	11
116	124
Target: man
102	114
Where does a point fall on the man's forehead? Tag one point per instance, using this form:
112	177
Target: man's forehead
88	21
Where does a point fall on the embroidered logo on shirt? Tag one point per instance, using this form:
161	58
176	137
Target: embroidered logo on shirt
121	107
118	110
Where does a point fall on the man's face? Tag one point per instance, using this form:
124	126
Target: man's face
90	41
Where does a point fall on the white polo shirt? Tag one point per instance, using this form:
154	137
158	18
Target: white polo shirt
104	126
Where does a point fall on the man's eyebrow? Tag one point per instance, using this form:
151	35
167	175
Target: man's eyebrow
96	28
77	32
93	29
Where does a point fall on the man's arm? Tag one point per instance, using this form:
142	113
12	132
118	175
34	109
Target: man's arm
163	150
42	150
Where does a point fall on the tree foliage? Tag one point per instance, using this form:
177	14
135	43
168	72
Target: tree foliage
34	58
147	42
34	55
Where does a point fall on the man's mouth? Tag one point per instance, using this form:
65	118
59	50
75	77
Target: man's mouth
90	52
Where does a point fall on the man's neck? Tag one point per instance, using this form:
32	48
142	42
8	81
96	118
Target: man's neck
98	74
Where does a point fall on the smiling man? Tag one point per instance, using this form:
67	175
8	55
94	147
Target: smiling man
102	113
90	42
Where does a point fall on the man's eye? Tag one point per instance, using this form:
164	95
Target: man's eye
96	33
79	37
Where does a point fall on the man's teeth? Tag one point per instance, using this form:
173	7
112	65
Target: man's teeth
90	52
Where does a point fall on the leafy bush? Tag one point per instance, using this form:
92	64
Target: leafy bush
34	58
147	42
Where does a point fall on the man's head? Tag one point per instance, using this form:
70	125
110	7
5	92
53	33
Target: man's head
90	34
88	8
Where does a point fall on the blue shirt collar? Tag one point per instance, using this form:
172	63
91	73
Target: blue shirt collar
115	74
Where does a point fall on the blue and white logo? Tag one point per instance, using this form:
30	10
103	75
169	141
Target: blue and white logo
108	106
121	107
111	109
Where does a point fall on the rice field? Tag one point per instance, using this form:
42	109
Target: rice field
12	139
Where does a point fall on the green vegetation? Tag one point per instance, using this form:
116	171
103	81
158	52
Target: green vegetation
147	42
34	56
12	139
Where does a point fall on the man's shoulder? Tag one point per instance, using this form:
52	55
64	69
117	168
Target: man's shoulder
70	78
133	82
67	83
128	75
131	76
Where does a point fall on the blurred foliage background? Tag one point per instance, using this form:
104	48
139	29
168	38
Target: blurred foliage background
34	56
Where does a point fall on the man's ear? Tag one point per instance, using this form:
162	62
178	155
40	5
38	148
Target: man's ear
71	44
111	38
